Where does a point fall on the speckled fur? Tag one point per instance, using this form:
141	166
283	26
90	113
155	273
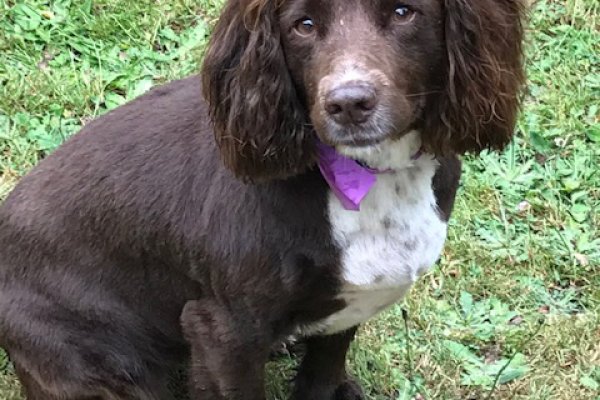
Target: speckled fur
397	235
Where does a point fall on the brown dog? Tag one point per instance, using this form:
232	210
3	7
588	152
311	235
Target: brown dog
143	239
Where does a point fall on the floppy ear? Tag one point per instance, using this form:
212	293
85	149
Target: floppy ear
481	97
260	126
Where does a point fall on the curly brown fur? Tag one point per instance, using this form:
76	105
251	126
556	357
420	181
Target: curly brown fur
479	103
260	125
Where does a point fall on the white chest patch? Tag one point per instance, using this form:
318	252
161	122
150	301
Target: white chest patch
395	237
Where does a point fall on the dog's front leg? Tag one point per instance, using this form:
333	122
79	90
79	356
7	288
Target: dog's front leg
322	375
228	352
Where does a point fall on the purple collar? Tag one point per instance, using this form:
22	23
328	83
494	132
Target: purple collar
349	180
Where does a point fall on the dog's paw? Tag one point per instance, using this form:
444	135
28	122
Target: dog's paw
347	390
291	346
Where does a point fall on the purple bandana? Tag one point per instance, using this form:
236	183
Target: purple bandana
349	180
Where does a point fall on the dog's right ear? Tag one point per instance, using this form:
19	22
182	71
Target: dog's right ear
261	128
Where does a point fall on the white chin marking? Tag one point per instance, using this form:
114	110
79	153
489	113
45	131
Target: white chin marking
395	237
389	154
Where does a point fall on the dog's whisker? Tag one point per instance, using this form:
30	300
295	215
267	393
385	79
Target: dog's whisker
423	93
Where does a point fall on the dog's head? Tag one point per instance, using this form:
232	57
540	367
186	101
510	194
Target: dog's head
358	73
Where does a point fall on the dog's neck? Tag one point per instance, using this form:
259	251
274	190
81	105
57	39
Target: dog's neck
351	176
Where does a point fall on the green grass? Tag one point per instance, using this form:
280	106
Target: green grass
520	277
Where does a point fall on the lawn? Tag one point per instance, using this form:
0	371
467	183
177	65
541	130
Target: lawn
513	309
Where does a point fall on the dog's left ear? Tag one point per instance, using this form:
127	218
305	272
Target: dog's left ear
480	102
260	126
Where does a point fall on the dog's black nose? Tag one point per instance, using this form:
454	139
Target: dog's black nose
351	104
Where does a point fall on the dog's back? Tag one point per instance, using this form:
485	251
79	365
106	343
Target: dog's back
83	294
105	241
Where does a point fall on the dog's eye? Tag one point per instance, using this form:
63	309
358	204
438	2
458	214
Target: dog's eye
404	13
305	27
